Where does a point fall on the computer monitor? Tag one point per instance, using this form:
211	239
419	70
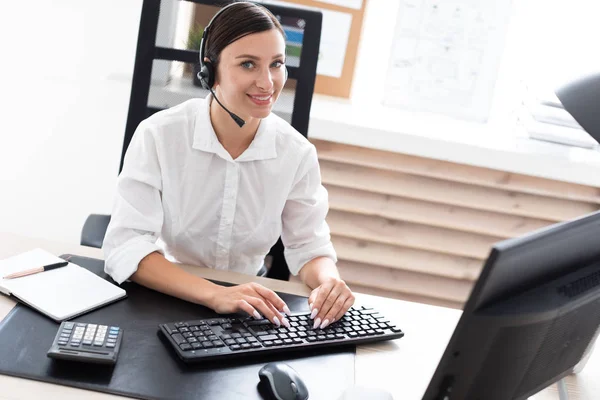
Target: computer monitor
530	318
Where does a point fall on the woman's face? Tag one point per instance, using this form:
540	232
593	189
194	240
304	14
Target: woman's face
251	73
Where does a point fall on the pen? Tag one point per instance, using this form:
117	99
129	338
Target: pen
36	270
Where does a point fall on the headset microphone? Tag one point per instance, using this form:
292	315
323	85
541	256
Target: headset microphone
240	122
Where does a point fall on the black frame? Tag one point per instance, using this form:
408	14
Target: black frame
147	52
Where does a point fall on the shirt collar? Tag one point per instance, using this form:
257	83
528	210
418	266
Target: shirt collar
263	145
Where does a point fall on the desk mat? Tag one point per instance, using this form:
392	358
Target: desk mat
146	368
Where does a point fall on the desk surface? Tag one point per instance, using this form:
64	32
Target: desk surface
402	367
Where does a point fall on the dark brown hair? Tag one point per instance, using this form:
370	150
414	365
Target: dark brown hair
238	20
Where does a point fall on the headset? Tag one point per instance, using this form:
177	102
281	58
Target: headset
207	70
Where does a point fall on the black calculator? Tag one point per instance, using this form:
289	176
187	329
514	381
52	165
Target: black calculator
86	342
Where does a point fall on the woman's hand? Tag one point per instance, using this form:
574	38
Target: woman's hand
252	298
329	302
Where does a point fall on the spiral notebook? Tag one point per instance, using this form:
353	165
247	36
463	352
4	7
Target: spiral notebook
61	293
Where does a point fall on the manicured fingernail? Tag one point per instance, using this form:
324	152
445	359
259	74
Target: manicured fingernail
314	313
324	324
285	322
276	321
311	306
257	315
317	322
287	310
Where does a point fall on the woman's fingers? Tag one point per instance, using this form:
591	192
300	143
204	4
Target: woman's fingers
322	295
347	304
267	311
243	305
329	308
313	297
273	298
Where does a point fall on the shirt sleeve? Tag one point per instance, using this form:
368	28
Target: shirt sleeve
137	214
305	233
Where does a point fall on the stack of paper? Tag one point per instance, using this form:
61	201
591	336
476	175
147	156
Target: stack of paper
545	119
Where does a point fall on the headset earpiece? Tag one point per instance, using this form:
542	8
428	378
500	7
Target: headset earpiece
207	75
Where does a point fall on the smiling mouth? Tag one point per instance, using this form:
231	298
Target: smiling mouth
261	98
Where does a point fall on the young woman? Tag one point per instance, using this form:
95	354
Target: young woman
196	188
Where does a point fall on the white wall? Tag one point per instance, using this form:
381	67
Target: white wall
61	118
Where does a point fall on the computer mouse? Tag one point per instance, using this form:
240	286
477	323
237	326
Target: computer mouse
282	382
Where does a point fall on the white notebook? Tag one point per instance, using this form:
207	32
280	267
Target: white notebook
60	293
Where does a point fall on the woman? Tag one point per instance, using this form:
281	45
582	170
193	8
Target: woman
196	188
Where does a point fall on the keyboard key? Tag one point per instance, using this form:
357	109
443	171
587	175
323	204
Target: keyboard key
245	346
217	343
277	342
255	345
268	337
258	322
185	347
229	342
178	338
196	346
235	347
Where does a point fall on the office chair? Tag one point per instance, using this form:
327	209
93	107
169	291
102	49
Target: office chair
154	88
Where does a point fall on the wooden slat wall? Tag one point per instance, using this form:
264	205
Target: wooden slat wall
420	229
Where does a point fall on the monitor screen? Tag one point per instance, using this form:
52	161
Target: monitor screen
531	316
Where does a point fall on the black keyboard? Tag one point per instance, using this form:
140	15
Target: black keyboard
222	338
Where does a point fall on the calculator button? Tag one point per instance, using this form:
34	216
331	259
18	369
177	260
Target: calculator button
98	343
69	325
114	328
62	342
75	344
87	342
110	345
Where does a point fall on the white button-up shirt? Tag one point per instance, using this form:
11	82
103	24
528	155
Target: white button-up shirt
181	193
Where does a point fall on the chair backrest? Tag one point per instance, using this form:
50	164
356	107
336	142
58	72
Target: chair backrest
164	69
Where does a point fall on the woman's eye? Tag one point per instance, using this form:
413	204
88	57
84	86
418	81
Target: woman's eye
247	64
277	64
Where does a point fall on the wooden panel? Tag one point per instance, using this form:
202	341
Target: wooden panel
428	213
396	257
455	172
404	281
382	230
452	193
